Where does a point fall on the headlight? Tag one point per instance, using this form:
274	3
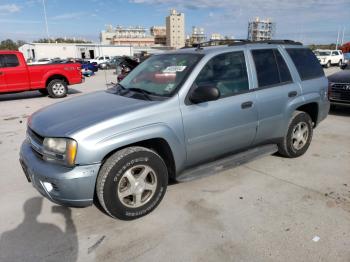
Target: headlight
61	149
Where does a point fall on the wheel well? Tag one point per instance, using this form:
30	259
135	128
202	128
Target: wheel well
311	109
159	145
60	77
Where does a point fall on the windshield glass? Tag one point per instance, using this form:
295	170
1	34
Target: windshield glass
161	74
324	53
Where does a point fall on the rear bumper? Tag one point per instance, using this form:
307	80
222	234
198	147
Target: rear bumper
62	185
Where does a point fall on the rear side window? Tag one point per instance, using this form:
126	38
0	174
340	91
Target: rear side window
270	67
306	63
9	61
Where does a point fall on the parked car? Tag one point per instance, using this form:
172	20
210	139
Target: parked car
124	66
52	79
41	61
346	58
330	57
99	59
339	86
173	112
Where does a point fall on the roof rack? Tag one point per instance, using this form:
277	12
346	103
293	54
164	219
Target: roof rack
233	42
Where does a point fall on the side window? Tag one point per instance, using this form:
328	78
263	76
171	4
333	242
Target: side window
306	63
2	64
10	60
227	72
271	69
283	70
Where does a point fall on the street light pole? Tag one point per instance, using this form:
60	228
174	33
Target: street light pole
47	27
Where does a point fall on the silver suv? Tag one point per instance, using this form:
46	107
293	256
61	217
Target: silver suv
173	112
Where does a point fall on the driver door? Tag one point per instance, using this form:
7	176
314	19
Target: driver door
225	125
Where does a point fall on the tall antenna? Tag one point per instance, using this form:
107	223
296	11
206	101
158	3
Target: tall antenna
336	45
47	27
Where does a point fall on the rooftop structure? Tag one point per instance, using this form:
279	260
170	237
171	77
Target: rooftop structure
261	29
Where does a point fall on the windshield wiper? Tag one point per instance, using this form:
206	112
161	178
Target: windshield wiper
142	91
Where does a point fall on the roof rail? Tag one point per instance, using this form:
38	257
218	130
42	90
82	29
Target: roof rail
233	42
277	42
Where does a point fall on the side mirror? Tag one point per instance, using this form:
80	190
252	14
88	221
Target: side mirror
204	94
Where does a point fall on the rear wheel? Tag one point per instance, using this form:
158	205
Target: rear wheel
298	137
131	183
340	63
57	88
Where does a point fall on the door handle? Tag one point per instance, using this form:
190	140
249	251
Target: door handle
247	104
292	94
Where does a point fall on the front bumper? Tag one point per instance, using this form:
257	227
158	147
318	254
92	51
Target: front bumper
62	185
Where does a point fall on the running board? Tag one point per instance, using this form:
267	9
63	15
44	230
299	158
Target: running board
228	162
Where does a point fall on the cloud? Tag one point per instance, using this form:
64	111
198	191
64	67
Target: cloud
10	8
73	15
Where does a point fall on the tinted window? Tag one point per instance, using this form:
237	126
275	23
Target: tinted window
271	69
306	63
10	60
227	72
2	64
283	70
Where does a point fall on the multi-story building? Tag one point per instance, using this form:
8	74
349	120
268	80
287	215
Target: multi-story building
216	36
198	35
159	34
261	29
131	36
175	29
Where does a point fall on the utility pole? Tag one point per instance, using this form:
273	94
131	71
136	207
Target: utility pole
336	45
47	27
342	39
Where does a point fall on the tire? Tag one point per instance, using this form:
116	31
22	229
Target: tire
57	88
295	144
340	63
328	65
131	183
43	91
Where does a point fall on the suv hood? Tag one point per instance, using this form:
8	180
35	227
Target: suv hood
64	118
340	77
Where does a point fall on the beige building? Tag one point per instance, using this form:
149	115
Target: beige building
131	36
159	34
175	29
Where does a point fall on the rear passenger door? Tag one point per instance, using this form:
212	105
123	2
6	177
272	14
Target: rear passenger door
217	127
275	89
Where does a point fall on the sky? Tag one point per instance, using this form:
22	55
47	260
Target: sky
309	21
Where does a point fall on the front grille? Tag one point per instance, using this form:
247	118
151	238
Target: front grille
35	136
36	142
340	92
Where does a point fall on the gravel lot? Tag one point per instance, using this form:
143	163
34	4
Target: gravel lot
271	209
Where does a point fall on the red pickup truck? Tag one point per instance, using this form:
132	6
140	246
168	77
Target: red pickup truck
51	79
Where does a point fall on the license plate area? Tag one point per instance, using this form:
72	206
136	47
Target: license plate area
25	170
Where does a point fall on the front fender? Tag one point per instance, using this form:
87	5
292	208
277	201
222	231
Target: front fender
94	152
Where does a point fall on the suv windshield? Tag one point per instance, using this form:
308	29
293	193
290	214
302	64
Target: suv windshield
161	74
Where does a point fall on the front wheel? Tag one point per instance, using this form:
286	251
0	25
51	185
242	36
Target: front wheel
328	65
132	182
57	88
298	137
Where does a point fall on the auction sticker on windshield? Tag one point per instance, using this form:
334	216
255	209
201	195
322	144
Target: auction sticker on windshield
174	69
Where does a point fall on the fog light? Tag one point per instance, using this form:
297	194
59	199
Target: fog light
48	186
